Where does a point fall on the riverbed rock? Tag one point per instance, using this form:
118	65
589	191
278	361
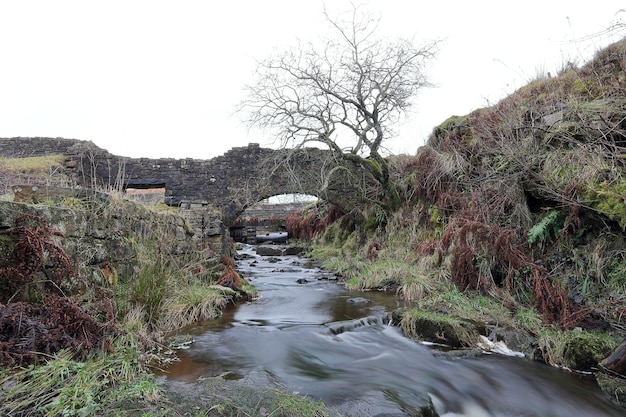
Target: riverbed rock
269	251
516	340
438	328
274	250
328	277
358	300
285	270
254	391
293	250
242	256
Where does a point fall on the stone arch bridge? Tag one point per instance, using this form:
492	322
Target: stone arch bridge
224	186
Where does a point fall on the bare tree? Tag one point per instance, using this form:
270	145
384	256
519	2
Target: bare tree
346	93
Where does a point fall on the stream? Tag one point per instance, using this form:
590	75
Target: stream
308	334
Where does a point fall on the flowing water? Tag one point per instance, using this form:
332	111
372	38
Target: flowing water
310	335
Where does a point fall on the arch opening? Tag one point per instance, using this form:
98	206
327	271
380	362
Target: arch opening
150	191
266	220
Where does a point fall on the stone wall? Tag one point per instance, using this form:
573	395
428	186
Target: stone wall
264	212
104	231
20	147
219	189
233	181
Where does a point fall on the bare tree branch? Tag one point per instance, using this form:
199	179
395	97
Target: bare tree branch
346	95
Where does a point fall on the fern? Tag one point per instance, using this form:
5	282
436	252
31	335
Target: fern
548	226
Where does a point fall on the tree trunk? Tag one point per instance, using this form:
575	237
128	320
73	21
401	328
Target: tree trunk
616	363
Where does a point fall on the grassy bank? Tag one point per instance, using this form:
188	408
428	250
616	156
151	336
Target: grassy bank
425	281
80	334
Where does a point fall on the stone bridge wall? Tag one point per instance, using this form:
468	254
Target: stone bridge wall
226	185
26	147
265	211
233	181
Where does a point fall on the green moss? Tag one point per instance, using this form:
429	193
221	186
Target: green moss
452	122
371	165
438	328
608	198
574	349
580	86
454	129
585	350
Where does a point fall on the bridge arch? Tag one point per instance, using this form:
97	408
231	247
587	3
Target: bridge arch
234	181
231	182
228	184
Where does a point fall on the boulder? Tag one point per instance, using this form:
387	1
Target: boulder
269	251
438	328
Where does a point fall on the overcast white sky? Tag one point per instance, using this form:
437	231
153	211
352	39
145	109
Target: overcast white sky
157	78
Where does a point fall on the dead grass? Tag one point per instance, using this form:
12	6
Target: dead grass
38	170
33	163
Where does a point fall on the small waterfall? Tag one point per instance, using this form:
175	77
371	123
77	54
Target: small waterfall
339	327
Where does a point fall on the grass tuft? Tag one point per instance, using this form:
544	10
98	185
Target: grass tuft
191	304
64	387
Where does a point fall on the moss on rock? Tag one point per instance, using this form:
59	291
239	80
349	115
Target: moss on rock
608	198
437	327
576	349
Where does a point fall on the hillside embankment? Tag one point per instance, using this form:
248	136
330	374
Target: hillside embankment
512	224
